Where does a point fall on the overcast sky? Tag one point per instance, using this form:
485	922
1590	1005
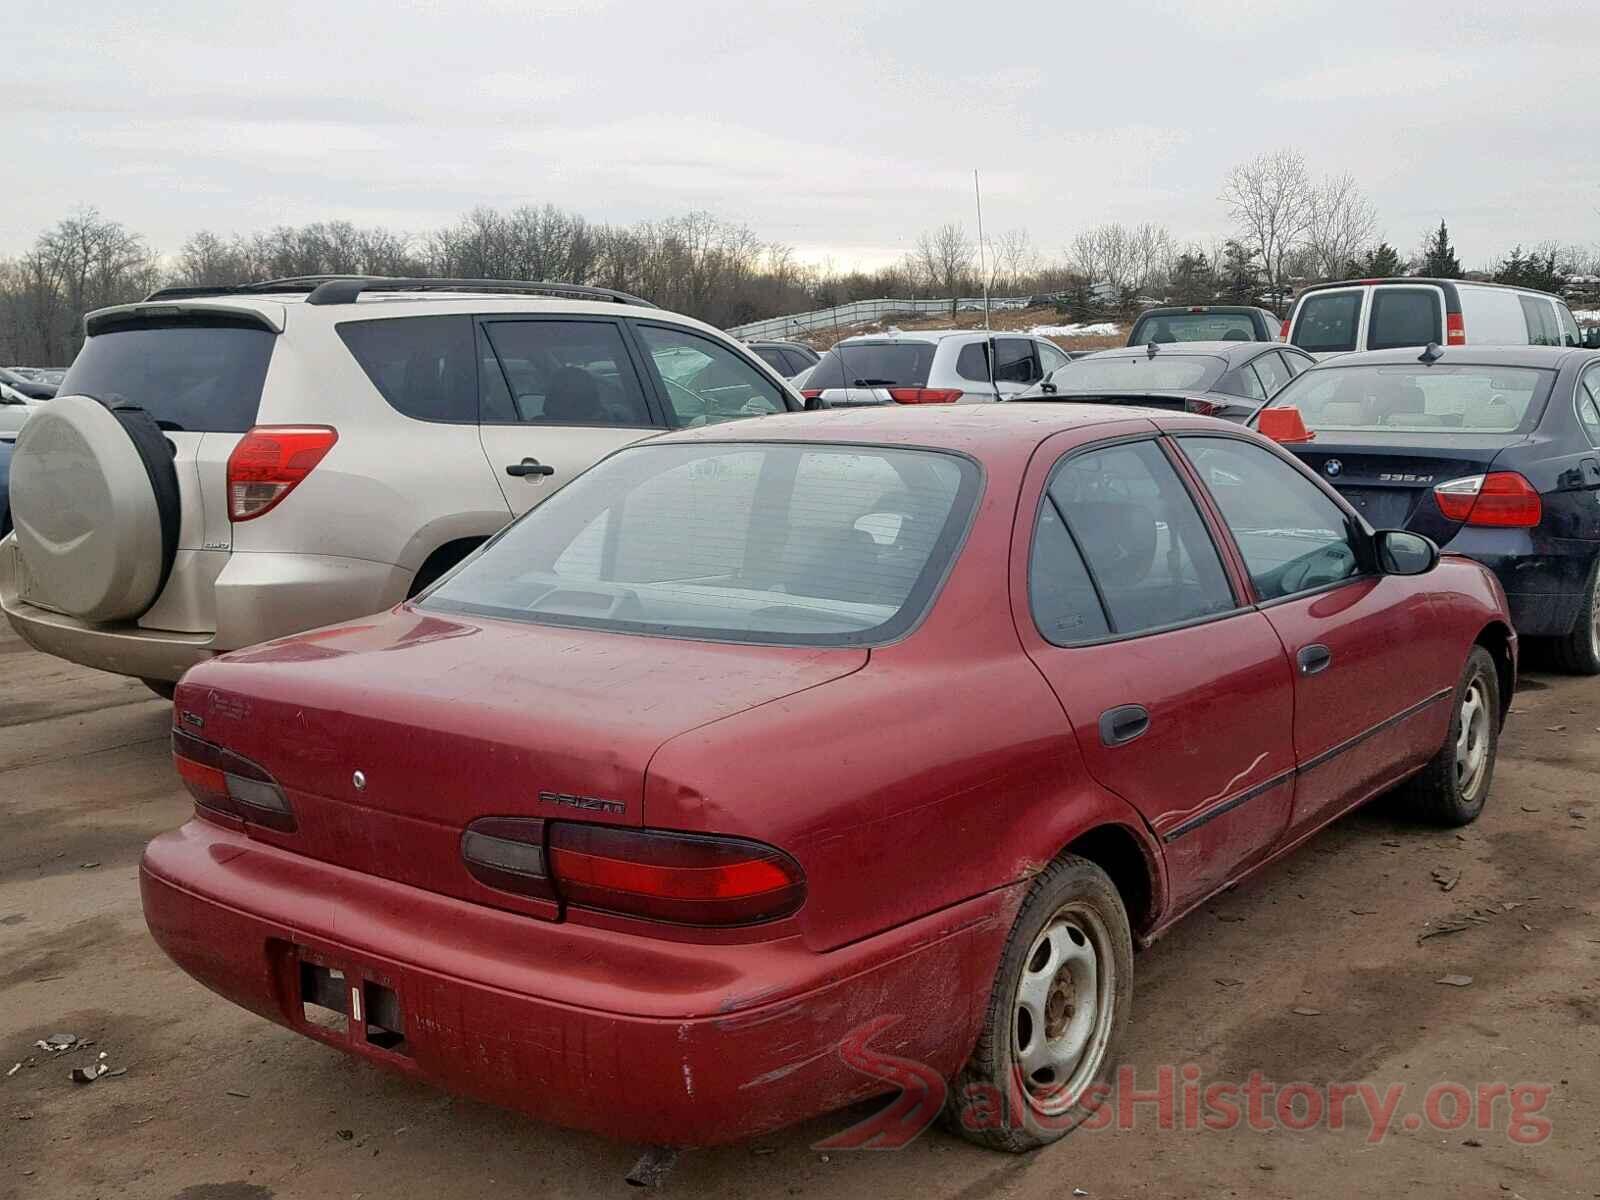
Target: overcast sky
840	129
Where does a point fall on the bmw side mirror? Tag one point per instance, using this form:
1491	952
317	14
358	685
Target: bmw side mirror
1401	552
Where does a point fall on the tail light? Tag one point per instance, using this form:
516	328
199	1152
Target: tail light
1500	498
811	393
269	462
924	395
1455	331
1283	334
1283	425
682	878
225	783
1204	408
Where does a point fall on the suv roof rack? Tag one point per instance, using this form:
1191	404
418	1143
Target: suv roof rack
345	289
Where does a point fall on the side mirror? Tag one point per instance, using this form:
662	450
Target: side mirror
1591	337
814	403
1403	553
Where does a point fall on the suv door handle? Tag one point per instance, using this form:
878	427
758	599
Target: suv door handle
1314	659
530	466
1122	724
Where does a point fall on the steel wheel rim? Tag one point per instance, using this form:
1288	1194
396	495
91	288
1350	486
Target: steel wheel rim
1472	739
1063	1009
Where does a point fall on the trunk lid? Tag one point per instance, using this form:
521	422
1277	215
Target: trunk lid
452	719
1389	477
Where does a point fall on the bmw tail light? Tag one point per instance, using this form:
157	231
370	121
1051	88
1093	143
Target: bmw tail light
686	878
269	462
1455	331
228	784
1501	498
904	395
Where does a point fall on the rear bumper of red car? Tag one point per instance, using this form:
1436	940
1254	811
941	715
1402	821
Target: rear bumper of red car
640	1039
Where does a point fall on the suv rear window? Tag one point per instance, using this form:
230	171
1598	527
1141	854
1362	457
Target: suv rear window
874	364
201	375
1326	323
1193	327
739	542
1403	317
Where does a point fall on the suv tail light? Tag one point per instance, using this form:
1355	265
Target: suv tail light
1455	331
269	462
1283	425
682	878
811	393
1500	498
903	395
225	783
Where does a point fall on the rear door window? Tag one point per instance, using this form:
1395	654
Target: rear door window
1147	550
1016	361
1404	317
1272	372
705	383
1051	358
425	367
1589	404
797	362
1327	322
201	375
1540	320
566	373
1571	335
773	357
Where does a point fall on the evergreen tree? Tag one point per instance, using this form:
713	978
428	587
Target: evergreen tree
1240	277
1439	259
1382	262
1192	280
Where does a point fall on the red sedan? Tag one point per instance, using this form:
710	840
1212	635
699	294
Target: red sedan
769	766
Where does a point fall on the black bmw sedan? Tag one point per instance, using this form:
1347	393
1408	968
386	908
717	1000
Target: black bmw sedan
1493	452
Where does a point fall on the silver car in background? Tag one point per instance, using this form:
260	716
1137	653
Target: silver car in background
931	366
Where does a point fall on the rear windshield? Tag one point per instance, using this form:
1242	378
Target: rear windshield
1193	327
203	376
1442	399
741	542
1132	373
874	364
1326	323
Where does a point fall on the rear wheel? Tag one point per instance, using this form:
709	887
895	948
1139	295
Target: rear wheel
1452	788
1579	652
1058	1009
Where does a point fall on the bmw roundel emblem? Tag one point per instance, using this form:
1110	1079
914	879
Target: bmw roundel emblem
1334	468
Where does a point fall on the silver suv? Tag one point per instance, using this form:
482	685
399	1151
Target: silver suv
226	466
931	366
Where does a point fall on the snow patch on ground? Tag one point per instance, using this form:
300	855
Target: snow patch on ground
1094	329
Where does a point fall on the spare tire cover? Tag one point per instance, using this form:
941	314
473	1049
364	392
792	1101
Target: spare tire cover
94	501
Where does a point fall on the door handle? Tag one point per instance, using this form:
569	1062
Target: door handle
1314	659
530	466
1122	724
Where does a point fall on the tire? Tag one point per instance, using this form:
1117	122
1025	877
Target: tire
1579	652
161	687
95	506
1070	948
1452	788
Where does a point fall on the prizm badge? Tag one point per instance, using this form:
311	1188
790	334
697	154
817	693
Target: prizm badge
586	803
1397	478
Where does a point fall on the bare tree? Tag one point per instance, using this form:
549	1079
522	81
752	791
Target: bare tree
945	259
1270	201
1341	225
1107	254
1013	258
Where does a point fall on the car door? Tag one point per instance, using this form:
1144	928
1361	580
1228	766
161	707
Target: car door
1180	697
559	394
700	381
1329	321
1371	665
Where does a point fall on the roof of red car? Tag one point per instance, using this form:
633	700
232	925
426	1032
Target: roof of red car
971	427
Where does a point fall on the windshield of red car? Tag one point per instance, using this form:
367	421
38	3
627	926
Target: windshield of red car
809	544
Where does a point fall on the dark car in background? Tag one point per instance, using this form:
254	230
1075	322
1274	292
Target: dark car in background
786	358
1492	452
1204	323
1215	379
34	383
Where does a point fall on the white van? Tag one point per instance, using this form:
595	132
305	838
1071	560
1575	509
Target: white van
1384	314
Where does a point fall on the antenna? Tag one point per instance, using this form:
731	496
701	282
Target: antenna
983	271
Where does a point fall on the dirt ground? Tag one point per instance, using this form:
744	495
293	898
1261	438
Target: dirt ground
1311	972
